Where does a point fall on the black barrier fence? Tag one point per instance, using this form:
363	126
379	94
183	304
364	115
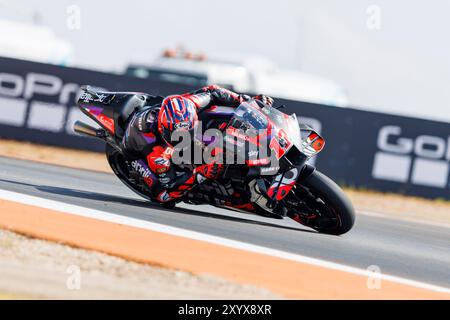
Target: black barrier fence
363	149
37	101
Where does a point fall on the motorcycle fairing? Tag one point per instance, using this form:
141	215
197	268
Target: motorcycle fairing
313	143
111	110
280	144
240	135
97	114
144	171
282	184
257	162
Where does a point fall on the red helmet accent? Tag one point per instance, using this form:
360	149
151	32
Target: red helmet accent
177	113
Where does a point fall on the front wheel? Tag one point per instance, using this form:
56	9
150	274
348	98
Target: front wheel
323	205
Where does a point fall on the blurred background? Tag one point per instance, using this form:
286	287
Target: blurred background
389	56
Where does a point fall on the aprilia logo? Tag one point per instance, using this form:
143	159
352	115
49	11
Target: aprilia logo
423	160
140	167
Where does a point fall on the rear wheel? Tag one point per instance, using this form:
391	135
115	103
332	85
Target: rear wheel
121	170
323	205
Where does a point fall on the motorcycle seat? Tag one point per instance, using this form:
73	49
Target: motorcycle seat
120	104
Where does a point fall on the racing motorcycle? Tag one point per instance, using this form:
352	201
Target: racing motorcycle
277	183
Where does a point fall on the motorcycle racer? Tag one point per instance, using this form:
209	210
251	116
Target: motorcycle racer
149	133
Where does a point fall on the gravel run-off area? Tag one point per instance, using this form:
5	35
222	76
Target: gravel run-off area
37	269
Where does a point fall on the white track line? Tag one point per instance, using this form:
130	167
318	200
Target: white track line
115	218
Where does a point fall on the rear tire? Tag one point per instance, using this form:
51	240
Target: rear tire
117	164
334	199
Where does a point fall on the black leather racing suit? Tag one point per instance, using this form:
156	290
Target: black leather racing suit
142	137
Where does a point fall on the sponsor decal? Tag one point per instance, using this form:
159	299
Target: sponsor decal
86	97
27	94
241	135
106	121
100	98
31	93
37	84
258	162
162	161
161	170
269	170
253	153
141	168
140	119
164	180
164	196
182	125
421	160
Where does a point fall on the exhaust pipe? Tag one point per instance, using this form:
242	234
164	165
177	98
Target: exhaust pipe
85	129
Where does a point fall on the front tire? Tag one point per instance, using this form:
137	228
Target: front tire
336	214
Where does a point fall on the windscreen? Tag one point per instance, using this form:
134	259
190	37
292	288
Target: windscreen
288	123
251	114
283	125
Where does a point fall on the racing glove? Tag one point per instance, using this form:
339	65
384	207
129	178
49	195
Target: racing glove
210	171
264	99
